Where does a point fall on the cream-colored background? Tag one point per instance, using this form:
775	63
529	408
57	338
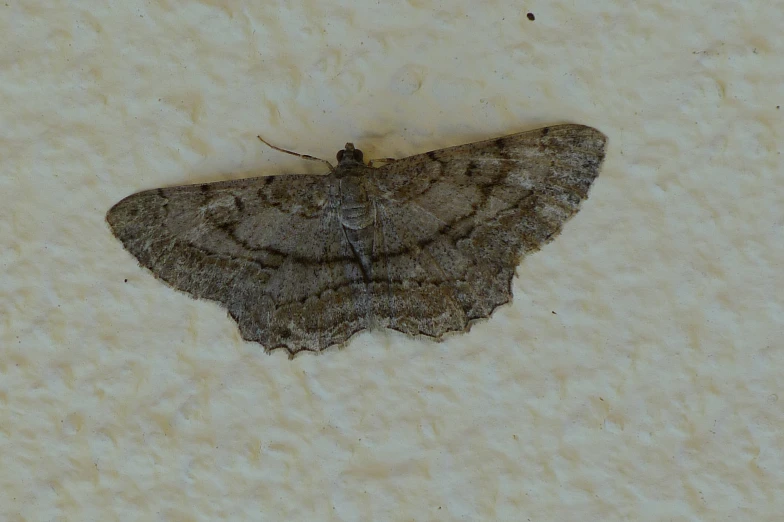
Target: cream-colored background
637	375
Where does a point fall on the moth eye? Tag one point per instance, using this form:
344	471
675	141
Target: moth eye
358	155
340	155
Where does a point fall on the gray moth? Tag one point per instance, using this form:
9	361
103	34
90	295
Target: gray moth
424	245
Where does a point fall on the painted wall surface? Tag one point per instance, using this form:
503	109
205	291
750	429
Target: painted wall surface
637	374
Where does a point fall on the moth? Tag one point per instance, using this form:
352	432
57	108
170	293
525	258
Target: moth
424	245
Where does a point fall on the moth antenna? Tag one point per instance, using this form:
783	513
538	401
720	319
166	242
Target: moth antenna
303	156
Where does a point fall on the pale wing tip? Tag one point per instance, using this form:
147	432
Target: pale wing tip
587	134
114	215
119	214
132	205
597	138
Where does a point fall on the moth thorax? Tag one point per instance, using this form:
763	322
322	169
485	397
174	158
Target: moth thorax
356	209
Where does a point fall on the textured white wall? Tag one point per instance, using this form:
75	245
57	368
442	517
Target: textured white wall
636	375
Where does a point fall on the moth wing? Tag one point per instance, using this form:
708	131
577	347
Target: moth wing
268	248
454	223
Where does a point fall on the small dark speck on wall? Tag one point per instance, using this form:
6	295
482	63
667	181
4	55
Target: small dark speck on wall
531	16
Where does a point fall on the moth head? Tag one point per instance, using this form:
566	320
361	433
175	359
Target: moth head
349	154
